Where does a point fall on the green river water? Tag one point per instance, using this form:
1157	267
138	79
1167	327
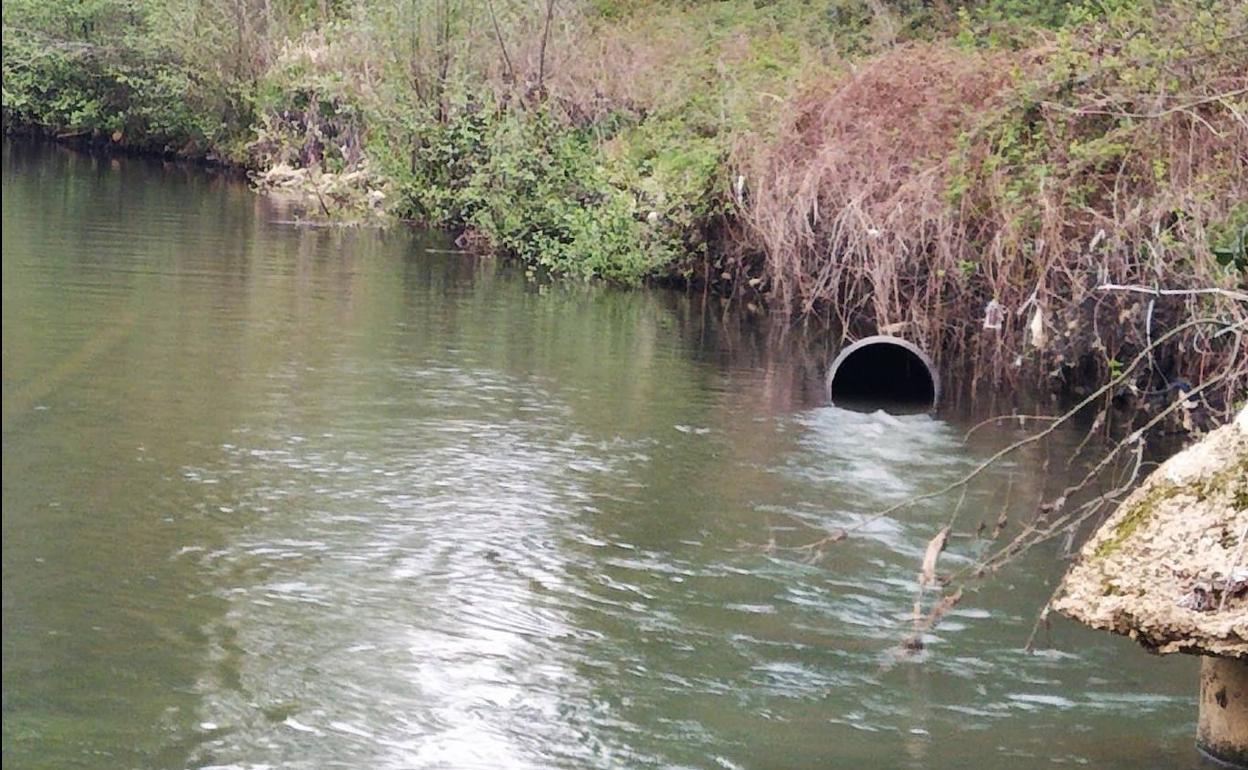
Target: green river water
277	496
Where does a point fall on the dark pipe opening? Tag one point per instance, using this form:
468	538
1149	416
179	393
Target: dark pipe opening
883	373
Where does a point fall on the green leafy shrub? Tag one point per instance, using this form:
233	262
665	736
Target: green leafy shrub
533	188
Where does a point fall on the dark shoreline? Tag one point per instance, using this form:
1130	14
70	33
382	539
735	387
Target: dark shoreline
806	337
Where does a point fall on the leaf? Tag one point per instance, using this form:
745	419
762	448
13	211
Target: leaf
1036	328
937	544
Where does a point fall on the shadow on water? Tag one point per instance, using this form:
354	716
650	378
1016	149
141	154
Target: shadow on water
306	497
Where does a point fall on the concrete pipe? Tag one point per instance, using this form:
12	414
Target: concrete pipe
1222	732
884	372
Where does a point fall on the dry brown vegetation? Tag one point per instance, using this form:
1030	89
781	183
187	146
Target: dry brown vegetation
854	187
911	194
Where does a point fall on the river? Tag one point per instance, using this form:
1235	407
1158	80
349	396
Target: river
297	497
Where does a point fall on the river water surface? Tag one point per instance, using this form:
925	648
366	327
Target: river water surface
293	497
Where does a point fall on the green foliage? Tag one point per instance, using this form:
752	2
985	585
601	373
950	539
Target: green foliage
1010	23
78	93
92	69
535	189
1082	128
1229	239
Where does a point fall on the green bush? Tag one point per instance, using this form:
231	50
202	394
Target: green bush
533	188
92	71
83	90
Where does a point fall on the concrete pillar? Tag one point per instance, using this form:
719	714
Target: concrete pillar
1222	732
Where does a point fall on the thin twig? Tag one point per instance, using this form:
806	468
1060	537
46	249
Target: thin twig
502	44
1238	296
1001	418
1028	538
984	465
1184	108
1042	618
541	57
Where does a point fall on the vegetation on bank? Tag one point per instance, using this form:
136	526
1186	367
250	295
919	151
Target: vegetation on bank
967	174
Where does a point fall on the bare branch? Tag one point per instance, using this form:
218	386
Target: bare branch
510	72
1005	418
541	58
1238	296
1053	426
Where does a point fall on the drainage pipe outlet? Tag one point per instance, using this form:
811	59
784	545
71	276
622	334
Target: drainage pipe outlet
884	372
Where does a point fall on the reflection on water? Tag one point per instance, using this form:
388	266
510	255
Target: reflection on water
426	586
283	497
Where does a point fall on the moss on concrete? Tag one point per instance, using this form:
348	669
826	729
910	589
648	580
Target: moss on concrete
1134	516
1158	569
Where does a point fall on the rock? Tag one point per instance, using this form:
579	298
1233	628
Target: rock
1168	567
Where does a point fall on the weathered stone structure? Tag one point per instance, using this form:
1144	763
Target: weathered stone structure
1170	570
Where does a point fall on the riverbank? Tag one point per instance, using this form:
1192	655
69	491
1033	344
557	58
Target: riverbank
969	176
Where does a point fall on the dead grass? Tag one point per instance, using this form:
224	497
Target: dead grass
910	194
853	186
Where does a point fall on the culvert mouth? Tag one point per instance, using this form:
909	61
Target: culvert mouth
883	372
